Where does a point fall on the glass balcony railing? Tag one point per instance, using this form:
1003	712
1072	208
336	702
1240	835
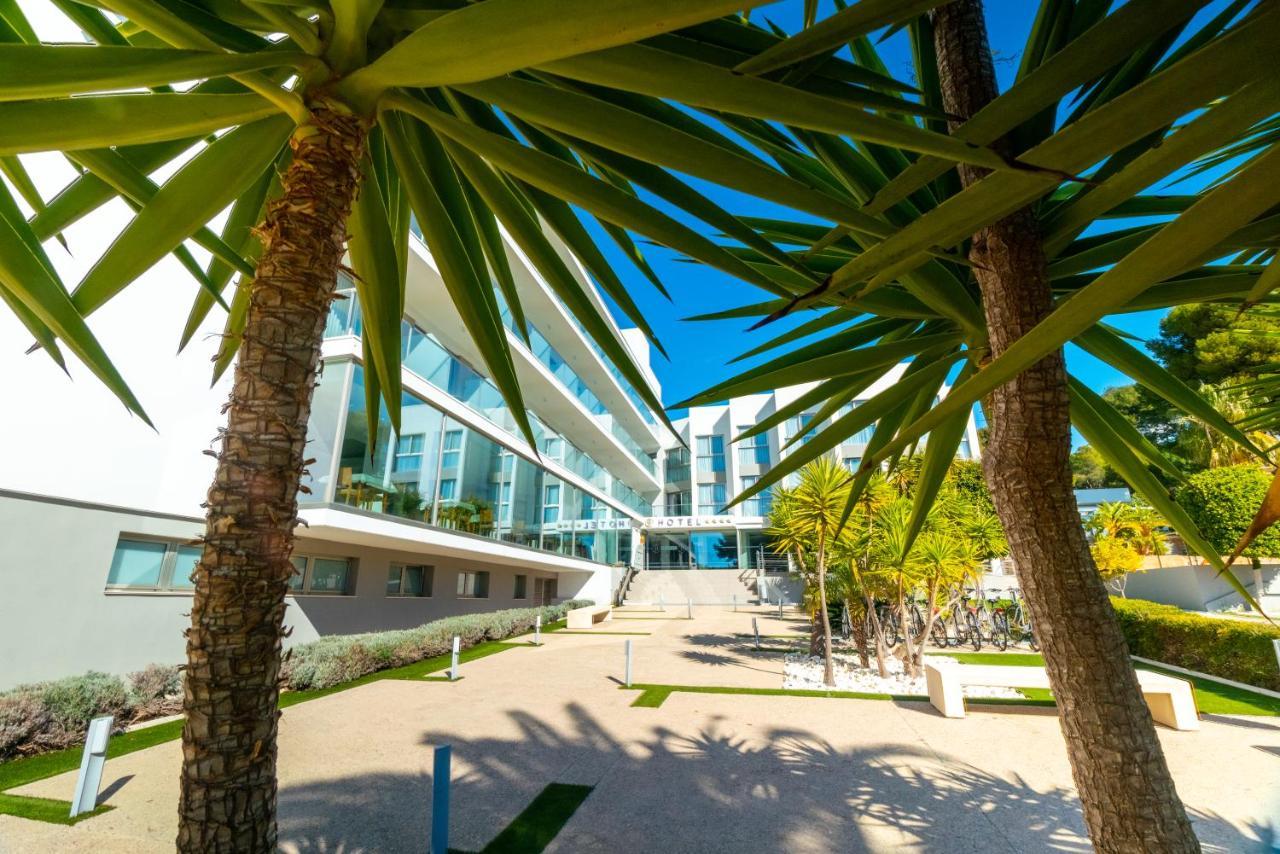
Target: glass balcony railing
425	357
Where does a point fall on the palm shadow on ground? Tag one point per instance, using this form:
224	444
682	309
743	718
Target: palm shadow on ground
784	789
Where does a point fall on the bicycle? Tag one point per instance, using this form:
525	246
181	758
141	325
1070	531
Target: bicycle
1022	621
999	620
968	627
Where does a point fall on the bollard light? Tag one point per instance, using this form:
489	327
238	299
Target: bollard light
537	630
627	673
779	606
735	603
690	609
440	800
453	668
755	627
92	762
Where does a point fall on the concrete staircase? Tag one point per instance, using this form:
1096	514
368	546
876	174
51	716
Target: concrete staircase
678	586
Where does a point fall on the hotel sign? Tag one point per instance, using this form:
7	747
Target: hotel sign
595	525
689	522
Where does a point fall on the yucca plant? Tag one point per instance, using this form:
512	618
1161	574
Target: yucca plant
984	277
332	126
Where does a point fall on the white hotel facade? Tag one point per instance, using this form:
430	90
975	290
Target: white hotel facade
456	514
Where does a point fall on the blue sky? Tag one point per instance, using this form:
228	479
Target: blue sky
699	351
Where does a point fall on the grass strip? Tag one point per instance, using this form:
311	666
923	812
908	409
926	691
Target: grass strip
654	695
541	821
45	809
1212	698
20	772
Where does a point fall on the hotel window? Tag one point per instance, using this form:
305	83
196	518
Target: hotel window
758	504
448	489
473	585
798	425
408	453
451	451
677	464
863	436
328	575
145	564
754	450
522	587
550	502
409	580
710	454
678	503
710	498
852	463
553	448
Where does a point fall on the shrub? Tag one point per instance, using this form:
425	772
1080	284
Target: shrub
53	715
335	659
1222	503
155	691
1232	649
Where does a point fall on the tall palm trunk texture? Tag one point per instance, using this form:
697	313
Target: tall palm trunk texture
1128	796
231	690
828	670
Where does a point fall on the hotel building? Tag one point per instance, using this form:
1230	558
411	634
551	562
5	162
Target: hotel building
457	513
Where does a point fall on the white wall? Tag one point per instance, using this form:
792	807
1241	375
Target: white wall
57	618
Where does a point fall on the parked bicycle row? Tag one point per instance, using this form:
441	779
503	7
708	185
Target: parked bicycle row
966	617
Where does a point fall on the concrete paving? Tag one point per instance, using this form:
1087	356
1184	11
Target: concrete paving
701	773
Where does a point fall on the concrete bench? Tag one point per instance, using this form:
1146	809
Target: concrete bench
1171	700
585	618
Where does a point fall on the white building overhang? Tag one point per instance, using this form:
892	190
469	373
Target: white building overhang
366	528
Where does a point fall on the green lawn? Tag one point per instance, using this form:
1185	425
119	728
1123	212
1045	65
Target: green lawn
1212	697
534	828
19	772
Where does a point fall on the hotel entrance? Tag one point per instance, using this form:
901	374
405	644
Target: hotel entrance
699	549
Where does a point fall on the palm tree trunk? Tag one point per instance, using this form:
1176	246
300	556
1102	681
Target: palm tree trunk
1128	796
828	671
228	800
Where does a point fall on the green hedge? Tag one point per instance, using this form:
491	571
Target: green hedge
335	659
1232	649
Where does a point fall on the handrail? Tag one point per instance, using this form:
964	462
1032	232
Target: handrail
621	592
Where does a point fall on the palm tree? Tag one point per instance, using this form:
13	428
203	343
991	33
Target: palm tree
1147	535
332	126
1111	519
983	277
807	525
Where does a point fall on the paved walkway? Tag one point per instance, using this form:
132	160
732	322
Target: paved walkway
702	773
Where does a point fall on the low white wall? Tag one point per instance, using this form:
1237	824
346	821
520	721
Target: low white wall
57	618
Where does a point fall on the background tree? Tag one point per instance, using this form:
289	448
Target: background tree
1089	470
1210	343
1223	502
1128	96
1115	559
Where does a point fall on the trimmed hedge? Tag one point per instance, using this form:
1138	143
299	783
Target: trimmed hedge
1232	649
335	659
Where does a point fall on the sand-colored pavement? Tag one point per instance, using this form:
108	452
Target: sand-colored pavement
701	773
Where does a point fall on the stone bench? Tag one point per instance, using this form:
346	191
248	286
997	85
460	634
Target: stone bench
1172	701
585	618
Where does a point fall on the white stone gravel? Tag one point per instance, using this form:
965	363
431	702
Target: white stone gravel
805	672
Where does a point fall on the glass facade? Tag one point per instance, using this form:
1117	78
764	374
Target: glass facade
427	359
441	472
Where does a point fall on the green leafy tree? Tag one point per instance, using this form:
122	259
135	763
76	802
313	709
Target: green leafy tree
1089	470
1223	502
332	129
1115	559
1210	343
1128	96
